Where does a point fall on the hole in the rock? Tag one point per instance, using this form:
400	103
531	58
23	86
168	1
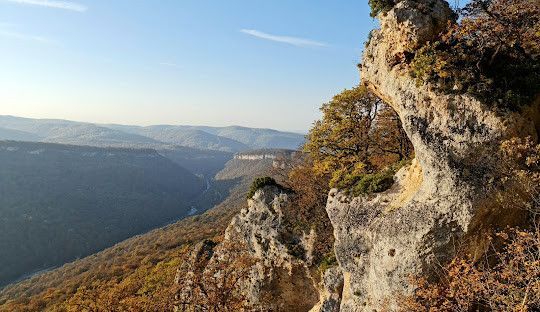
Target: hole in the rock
390	143
392	252
389	149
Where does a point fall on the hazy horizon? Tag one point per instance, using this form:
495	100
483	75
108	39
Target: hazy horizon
157	124
175	62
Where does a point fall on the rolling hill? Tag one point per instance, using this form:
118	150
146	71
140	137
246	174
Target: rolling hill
262	138
160	137
10	134
187	136
76	133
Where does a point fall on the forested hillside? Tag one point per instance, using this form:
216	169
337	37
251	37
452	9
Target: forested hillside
198	161
139	272
17	135
60	202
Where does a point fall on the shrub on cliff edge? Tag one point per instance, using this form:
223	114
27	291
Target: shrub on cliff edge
259	183
491	53
380	6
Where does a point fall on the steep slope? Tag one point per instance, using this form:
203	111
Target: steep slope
258	160
449	198
198	161
141	268
60	202
255	251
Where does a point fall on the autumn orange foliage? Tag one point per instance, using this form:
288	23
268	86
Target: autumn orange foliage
507	278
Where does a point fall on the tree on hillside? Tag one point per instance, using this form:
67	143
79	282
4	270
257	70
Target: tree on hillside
390	140
357	134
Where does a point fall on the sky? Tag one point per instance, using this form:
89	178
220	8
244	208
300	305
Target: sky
253	63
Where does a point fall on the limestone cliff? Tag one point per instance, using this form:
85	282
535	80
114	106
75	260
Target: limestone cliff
277	280
445	199
281	280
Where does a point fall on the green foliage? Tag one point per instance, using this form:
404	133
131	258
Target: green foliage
374	183
380	6
259	183
511	82
357	139
357	134
328	261
492	54
340	140
368	183
428	64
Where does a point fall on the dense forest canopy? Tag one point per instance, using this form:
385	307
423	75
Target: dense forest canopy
79	200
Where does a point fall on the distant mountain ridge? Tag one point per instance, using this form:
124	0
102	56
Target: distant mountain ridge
17	135
227	139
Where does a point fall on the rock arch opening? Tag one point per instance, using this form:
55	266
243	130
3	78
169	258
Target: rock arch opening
390	143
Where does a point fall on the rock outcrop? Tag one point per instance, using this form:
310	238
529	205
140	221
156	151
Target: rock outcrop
330	290
445	200
276	280
282	281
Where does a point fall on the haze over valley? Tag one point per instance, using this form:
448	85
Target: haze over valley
81	187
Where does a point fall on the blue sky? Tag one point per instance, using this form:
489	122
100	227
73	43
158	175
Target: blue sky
251	62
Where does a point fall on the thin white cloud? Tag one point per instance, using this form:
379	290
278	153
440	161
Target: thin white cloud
65	5
168	64
295	41
20	36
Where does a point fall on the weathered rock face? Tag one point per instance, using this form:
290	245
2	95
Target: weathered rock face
330	290
445	198
274	279
258	242
281	281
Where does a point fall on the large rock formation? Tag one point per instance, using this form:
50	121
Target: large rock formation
279	281
276	279
445	200
443	203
